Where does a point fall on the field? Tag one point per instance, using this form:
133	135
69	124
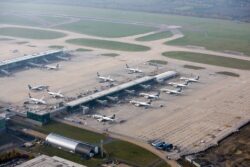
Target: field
211	33
110	54
193	67
210	59
105	29
105	44
155	36
30	33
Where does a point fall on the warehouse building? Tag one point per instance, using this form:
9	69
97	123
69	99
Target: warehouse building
71	145
46	161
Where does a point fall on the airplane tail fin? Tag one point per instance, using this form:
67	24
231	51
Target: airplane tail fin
186	82
113	117
98	74
180	89
30	96
30	87
198	77
158	93
150	101
127	66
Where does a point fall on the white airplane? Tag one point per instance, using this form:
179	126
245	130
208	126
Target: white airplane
105	79
38	88
36	101
171	91
5	72
179	85
133	70
141	104
55	94
150	96
35	65
196	79
102	102
103	118
131	92
63	58
48	67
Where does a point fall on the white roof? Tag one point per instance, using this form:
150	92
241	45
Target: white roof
62	141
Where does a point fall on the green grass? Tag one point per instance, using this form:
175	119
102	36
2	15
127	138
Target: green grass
155	36
194	67
83	50
30	33
130	153
210	59
105	29
213	34
6	39
73	132
219	37
110	54
56	47
228	73
111	45
22	42
161	62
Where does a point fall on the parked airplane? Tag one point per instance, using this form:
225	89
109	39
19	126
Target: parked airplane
141	104
133	70
105	79
131	92
180	85
171	91
145	86
103	118
150	96
49	67
63	58
112	98
55	94
102	102
36	101
5	72
196	79
35	65
38	88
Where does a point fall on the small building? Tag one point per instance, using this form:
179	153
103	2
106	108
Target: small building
71	145
41	117
46	161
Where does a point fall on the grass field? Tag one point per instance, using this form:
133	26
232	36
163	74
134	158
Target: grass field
155	36
161	62
56	47
210	59
194	67
105	29
105	44
110	54
30	33
83	50
211	33
232	74
115	149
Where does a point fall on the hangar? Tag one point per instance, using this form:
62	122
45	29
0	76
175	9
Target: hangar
71	145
